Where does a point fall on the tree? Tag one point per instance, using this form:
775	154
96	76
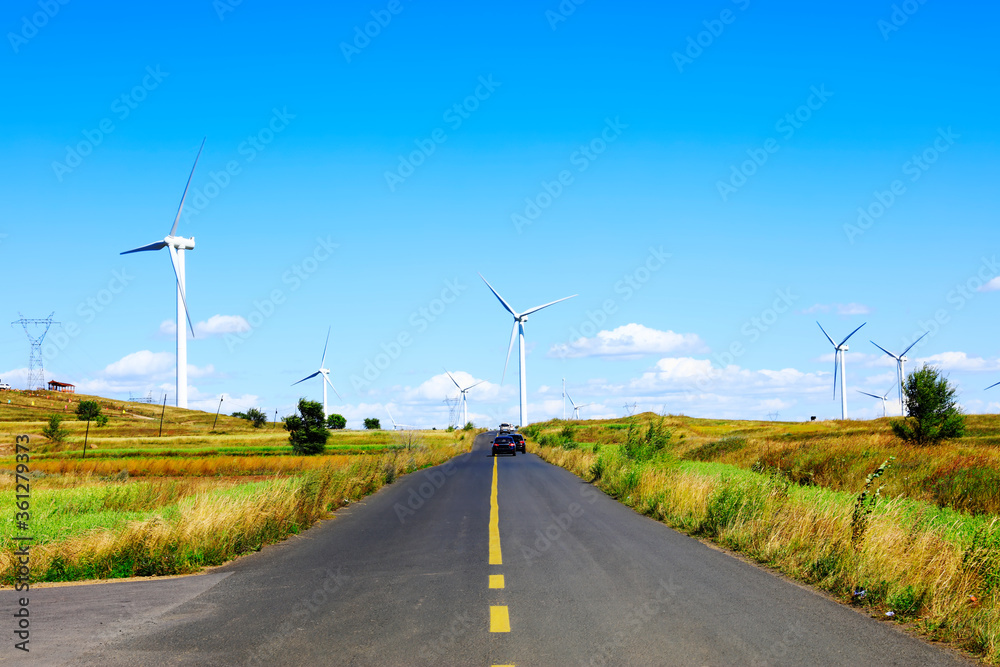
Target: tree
373	424
307	430
336	422
932	412
256	417
53	432
86	411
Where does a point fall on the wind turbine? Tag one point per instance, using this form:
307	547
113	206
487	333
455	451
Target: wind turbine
395	426
882	398
463	396
900	370
176	245
518	332
325	372
839	353
576	408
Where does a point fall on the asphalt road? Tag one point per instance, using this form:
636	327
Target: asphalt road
404	578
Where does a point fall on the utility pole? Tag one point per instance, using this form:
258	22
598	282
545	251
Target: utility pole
163	412
217	413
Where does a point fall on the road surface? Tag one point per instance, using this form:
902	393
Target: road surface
481	561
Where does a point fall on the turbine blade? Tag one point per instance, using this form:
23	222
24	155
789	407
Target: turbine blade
992	385
180	287
505	304
537	308
513	335
912	344
331	386
173	230
308	377
887	351
571	401
867	394
852	333
826	334
453	379
325	345
159	245
473	385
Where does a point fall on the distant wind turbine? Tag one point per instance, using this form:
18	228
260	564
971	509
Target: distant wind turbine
882	398
838	356
576	408
176	245
518	332
463	396
325	372
900	369
395	426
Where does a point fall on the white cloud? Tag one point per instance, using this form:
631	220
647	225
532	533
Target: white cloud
960	361
216	325
140	363
991	286
839	308
629	341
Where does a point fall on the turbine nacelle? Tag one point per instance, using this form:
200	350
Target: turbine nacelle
180	242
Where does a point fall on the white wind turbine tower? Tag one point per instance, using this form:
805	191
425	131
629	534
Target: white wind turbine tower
325	372
838	356
900	369
882	398
518	332
576	408
176	245
463	396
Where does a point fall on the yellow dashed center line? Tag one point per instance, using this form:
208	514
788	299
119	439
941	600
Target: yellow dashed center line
496	581
495	557
499	619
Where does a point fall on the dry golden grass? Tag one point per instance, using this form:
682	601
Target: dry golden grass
199	525
938	570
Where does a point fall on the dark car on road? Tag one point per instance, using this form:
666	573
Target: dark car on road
504	444
518	442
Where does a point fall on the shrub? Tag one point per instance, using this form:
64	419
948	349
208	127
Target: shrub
307	430
469	426
336	422
256	417
373	424
643	447
53	431
932	412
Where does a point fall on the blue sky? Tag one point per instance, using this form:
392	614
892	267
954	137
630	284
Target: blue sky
709	179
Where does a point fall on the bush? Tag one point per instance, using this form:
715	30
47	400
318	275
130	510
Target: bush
373	424
53	431
307	430
469	426
643	447
336	422
932	412
256	417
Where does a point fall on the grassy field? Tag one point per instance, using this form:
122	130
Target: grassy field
787	495
144	504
